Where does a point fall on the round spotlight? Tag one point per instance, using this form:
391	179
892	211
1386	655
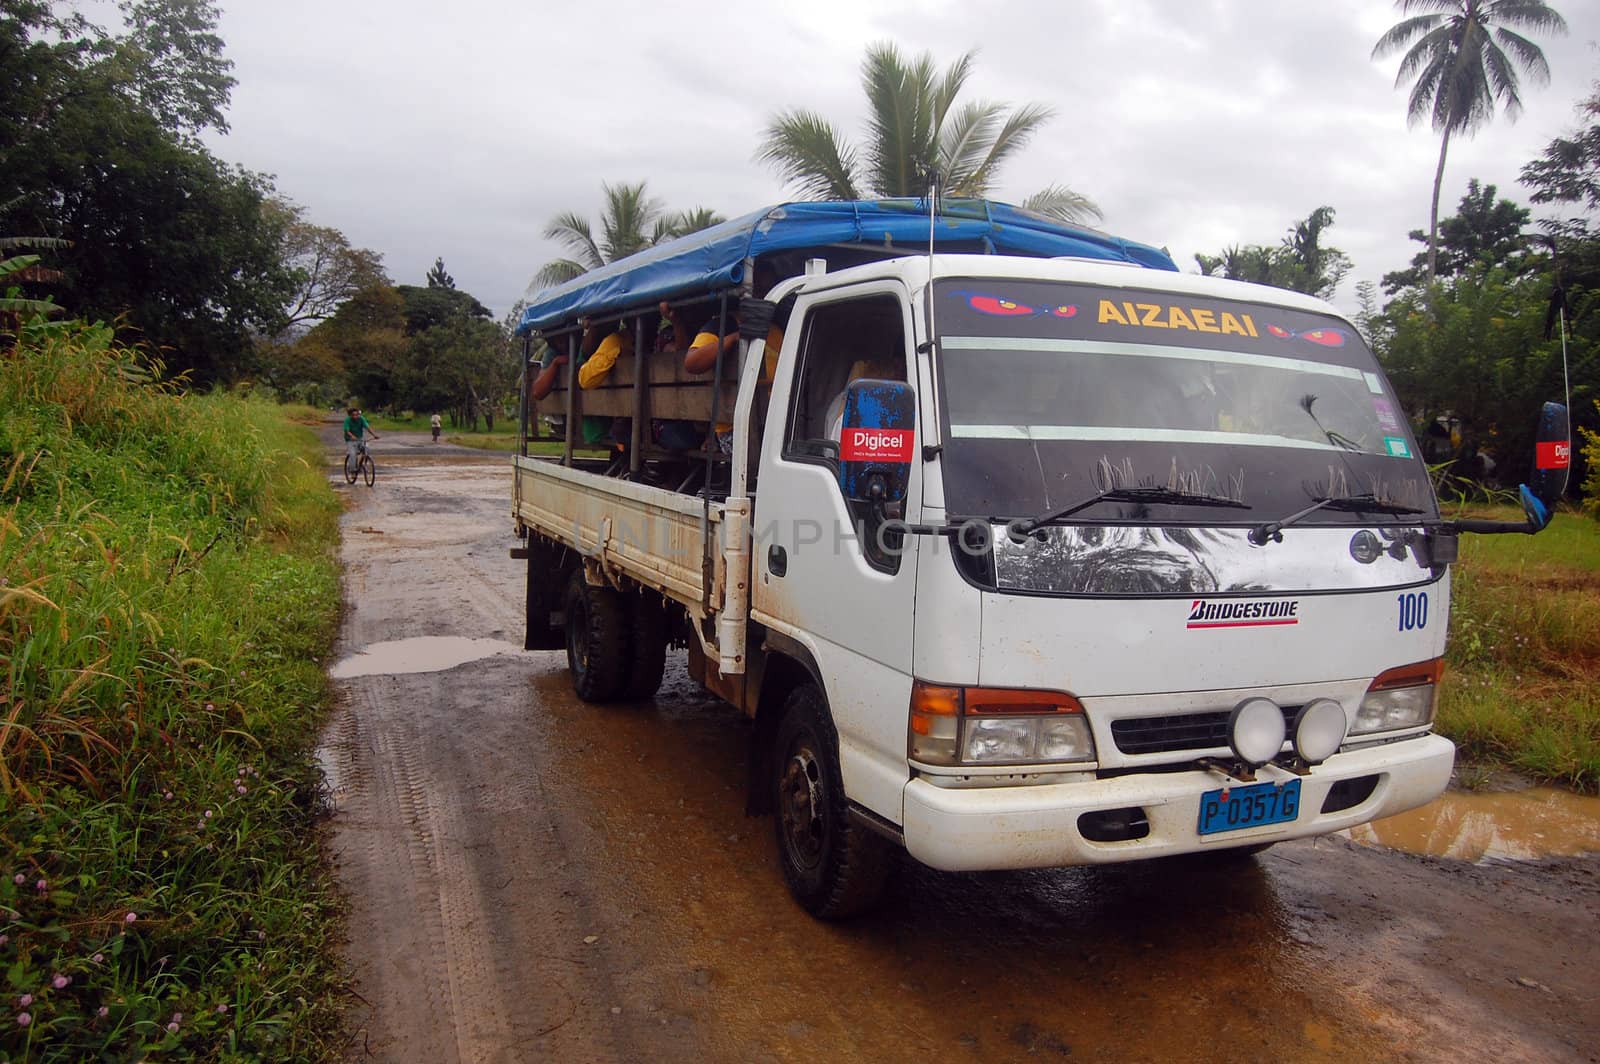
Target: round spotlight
1256	731
1319	730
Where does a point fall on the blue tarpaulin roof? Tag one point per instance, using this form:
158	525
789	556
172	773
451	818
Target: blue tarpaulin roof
713	259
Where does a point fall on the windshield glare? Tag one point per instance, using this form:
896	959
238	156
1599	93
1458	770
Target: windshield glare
1055	391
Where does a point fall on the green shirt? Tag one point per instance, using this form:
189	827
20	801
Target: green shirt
356	426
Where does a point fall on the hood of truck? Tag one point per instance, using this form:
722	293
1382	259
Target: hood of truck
1095	646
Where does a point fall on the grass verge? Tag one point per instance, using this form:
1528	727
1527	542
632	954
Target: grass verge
1523	687
170	590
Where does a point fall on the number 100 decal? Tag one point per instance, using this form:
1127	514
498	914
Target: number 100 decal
1413	611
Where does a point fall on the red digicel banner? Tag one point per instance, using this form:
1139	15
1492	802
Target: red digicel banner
1554	455
876	445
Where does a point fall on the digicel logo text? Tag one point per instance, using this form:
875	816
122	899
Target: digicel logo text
1157	316
1203	614
876	445
1553	455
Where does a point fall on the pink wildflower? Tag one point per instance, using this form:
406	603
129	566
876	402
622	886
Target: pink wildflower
177	1017
23	1019
5	940
60	981
222	1008
102	1012
41	886
131	917
99	958
241	788
211	707
19	879
173	1027
25	1000
208	814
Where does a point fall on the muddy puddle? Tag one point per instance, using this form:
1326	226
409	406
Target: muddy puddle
1518	826
433	653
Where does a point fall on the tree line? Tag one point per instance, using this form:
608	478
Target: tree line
113	209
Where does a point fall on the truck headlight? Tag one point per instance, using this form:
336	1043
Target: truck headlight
1405	697
995	726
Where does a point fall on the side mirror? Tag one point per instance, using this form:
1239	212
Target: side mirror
1552	461
876	441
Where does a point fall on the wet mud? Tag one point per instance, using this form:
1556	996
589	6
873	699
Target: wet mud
1523	825
533	878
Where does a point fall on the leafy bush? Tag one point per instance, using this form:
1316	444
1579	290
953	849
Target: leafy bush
168	593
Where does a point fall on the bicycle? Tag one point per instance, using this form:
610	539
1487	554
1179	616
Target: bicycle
362	466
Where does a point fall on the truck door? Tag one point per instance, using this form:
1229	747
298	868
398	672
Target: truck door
848	601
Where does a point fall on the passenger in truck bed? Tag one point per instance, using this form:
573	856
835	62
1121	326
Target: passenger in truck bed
595	359
702	354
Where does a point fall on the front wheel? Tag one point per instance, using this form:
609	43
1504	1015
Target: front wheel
834	867
352	466
369	470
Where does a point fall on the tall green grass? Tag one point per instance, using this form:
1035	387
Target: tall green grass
1523	688
168	590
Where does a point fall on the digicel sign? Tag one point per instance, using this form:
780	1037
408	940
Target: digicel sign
876	445
1555	455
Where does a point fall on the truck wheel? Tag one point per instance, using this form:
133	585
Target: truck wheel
544	596
834	867
597	640
649	646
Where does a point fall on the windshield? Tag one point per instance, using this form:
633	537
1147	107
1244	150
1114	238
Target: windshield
1052	392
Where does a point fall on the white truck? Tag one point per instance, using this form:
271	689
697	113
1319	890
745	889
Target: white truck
1027	558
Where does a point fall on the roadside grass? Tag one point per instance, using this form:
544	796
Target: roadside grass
168	591
1523	687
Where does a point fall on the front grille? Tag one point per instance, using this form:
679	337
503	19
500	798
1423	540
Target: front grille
1186	731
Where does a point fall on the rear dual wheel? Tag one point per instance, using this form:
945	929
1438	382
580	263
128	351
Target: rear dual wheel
616	642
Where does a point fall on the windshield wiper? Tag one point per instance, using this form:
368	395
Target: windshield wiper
1164	496
1272	531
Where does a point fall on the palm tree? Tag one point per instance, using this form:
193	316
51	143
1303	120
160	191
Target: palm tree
915	126
1465	63
631	220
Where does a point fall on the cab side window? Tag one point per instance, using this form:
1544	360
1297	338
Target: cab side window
842	342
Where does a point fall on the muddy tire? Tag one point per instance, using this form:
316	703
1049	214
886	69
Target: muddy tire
648	646
834	867
597	640
546	594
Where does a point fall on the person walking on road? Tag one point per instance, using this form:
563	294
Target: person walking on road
435	424
355	427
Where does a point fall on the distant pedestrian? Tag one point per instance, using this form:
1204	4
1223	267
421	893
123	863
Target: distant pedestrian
435	424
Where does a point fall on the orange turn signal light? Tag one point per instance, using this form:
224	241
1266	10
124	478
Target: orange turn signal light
1409	675
932	700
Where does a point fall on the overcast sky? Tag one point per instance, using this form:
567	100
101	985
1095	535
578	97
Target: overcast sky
460	129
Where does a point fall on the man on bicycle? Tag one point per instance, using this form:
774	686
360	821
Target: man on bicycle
355	426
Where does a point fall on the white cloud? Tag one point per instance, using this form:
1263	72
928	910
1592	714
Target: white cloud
423	129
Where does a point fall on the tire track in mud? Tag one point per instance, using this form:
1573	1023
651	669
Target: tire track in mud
470	893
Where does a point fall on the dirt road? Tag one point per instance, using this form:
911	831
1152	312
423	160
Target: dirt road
531	878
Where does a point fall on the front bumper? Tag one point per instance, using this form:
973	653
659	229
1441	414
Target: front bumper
1036	826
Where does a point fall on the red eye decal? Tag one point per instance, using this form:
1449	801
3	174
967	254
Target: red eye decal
1067	311
1280	333
1004	308
1325	337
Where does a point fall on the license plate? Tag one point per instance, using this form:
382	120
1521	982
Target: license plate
1233	808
